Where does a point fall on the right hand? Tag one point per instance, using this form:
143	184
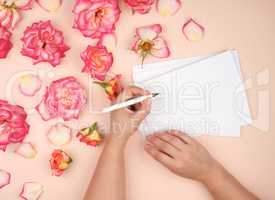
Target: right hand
124	122
182	155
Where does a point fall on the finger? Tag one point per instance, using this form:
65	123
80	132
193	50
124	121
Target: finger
133	91
159	156
172	139
144	108
163	146
183	136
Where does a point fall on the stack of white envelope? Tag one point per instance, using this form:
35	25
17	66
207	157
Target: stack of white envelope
200	95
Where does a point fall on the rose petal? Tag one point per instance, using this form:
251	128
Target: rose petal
160	49
149	32
43	111
29	84
81	5
3	147
109	40
23	4
168	7
4	138
26	150
50	5
192	30
31	191
4	178
59	134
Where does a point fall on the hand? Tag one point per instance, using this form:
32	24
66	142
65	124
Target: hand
124	122
182	155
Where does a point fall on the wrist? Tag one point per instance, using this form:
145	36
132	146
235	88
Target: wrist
214	174
116	140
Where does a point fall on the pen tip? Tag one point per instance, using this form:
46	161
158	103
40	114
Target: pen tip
155	94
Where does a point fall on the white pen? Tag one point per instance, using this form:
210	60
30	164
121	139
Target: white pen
128	103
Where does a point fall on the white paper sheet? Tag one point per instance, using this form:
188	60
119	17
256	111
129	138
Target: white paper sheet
185	86
149	71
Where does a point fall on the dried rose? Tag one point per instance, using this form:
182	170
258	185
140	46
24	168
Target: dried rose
113	87
90	135
59	162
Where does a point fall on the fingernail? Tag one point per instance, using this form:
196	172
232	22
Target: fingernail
150	137
147	146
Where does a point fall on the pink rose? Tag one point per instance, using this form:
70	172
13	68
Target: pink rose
97	61
63	98
140	6
13	125
43	43
10	12
95	17
148	41
5	43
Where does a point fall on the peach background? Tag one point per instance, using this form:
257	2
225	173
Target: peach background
245	25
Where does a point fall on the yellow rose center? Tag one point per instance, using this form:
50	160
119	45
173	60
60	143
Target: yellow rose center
98	16
64	97
146	46
100	13
5	5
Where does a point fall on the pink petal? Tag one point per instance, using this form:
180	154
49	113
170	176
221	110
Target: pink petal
29	84
81	5
168	7
31	191
26	150
4	138
160	49
4	178
109	40
59	134
23	4
50	5
16	19
192	30
43	111
3	147
149	32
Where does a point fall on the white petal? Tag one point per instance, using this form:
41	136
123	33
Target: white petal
168	7
31	191
43	111
50	5
192	30
108	40
59	134
26	150
4	178
29	84
149	32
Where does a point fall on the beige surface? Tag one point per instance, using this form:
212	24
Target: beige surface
245	25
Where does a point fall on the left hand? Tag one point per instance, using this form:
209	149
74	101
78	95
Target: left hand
182	155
